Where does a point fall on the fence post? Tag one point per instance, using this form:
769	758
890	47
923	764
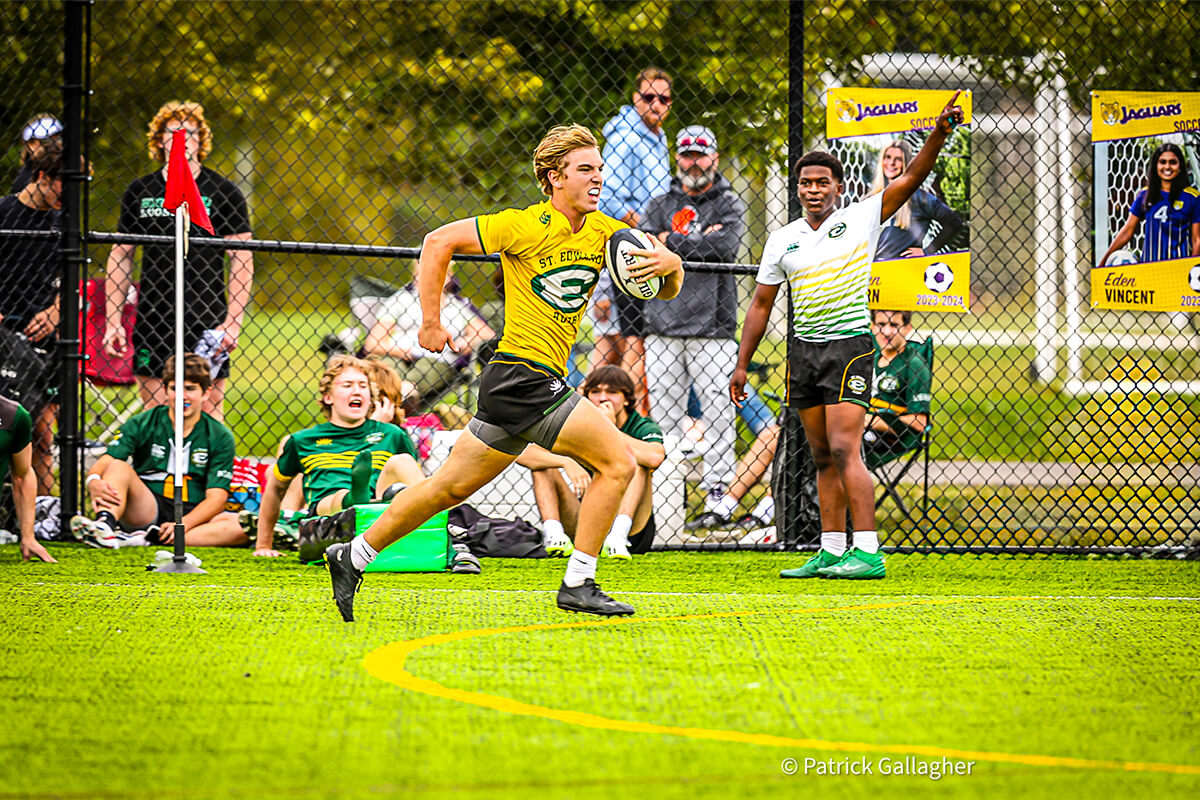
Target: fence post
69	436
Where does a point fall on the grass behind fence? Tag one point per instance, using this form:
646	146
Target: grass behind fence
985	405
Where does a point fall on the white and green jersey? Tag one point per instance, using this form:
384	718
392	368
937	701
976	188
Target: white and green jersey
827	270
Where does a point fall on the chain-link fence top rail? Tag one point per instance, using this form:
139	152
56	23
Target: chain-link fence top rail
374	123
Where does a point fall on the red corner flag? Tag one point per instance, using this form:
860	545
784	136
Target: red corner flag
181	186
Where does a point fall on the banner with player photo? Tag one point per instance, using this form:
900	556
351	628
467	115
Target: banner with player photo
1147	204
923	261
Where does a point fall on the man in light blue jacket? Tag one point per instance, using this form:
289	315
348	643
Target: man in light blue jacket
637	167
637	162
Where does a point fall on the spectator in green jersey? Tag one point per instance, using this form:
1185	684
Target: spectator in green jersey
348	460
559	482
132	486
900	400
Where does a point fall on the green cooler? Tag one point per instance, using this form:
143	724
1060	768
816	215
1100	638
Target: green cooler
427	549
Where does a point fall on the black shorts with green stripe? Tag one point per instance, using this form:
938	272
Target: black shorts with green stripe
516	394
828	373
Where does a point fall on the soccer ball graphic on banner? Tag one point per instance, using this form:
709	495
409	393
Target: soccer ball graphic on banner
1194	277
939	277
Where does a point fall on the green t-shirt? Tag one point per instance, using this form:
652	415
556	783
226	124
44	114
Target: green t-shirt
16	432
147	440
901	387
326	452
643	428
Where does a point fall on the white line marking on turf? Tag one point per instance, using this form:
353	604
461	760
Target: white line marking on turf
430	589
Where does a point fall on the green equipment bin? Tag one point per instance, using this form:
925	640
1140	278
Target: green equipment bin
427	549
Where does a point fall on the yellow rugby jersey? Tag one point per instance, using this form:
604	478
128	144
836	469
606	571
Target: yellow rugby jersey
549	274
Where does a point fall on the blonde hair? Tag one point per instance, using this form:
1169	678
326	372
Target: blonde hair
903	217
552	151
177	111
336	366
386	382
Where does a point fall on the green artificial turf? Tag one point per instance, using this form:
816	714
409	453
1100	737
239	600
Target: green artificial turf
244	682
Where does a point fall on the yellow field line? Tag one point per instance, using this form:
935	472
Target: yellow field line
387	664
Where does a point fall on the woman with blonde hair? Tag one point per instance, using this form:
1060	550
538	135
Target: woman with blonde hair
904	235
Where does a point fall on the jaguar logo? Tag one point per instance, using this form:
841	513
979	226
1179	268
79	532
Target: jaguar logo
1111	113
845	110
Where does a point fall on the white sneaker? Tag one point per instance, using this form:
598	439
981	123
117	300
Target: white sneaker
557	546
93	532
616	549
767	535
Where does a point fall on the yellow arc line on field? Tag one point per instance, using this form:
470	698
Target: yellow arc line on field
387	664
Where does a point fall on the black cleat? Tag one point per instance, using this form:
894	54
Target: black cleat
588	599
346	579
391	491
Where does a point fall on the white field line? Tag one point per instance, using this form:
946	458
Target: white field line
427	590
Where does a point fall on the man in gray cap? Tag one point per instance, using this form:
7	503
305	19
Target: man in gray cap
690	341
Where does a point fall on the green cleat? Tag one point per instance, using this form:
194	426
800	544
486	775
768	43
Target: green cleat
822	559
856	565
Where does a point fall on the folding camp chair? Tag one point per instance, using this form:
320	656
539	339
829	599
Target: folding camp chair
102	371
367	299
882	466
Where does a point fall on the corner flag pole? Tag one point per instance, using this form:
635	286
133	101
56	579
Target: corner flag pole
176	170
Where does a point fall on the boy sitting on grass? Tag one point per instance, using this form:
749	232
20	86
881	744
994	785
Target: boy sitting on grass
346	461
559	482
132	486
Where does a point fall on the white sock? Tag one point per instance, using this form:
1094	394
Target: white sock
619	533
554	530
833	542
725	506
867	541
765	510
580	567
361	553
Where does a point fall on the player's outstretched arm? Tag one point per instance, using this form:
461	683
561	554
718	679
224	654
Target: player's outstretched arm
752	333
898	191
460	237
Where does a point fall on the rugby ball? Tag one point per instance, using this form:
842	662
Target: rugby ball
618	258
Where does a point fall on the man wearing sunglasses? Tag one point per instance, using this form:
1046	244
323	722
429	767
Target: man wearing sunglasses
637	167
692	342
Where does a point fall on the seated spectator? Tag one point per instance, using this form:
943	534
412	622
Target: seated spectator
132	486
611	390
16	459
345	461
392	400
394	338
900	397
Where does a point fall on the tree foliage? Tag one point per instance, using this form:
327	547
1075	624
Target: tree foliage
373	122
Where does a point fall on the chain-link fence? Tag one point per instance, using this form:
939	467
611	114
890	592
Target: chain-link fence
335	135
